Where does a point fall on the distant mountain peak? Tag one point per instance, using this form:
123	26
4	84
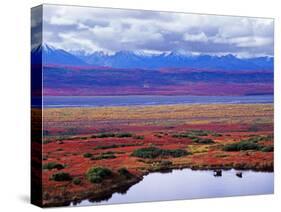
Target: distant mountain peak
47	54
147	60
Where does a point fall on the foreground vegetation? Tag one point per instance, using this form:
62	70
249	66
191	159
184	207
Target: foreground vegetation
154	152
104	150
250	144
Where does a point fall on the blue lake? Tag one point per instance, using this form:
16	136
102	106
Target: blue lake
109	101
190	184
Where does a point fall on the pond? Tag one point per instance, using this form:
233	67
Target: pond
190	184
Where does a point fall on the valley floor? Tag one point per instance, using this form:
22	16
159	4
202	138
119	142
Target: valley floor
126	143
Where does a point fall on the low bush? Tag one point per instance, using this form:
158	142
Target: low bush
114	146
105	155
200	132
183	135
166	163
87	155
124	135
257	139
98	174
61	176
103	135
110	135
251	143
193	135
76	181
124	172
53	165
242	145
141	137
154	152
268	149
202	140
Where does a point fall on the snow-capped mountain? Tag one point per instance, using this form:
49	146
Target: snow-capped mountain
128	60
53	56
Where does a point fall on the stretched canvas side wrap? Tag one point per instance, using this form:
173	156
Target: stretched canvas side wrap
135	106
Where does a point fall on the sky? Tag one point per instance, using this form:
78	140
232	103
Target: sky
89	29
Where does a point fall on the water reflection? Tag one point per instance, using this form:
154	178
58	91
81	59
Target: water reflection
190	184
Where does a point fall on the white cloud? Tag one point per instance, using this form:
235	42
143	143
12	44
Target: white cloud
201	37
111	30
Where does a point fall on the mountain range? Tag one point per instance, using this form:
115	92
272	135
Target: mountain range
133	60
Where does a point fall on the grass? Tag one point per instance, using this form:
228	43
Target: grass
154	152
98	174
161	165
53	165
194	149
61	176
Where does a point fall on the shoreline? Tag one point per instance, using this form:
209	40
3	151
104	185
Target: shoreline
125	185
158	105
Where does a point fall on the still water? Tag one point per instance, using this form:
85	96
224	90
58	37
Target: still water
109	101
189	184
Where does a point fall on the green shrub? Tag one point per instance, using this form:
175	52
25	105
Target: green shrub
124	135
200	132
114	146
95	179
98	174
257	139
192	134
175	153
53	165
141	137
183	135
76	181
268	149
110	135
124	172
242	145
87	155
202	140
216	134
104	135
149	152
105	155
61	176
107	146
153	152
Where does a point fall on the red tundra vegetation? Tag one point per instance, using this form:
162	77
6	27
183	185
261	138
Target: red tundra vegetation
93	152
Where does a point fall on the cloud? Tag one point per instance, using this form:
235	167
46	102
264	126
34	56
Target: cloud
200	37
112	30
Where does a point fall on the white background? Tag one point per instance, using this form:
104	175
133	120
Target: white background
15	101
